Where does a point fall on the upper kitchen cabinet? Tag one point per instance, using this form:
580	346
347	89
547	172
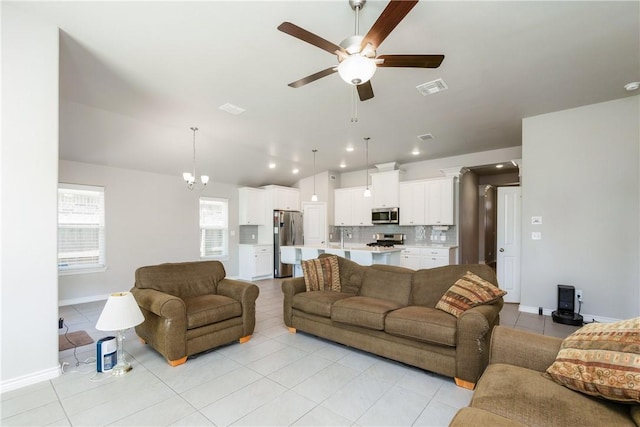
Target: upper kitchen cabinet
385	187
283	198
351	207
439	203
413	203
251	206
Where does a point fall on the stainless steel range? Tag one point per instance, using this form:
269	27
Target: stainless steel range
387	240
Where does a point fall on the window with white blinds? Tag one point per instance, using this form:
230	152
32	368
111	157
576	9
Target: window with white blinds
81	239
214	227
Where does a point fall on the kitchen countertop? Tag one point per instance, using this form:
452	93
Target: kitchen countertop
350	248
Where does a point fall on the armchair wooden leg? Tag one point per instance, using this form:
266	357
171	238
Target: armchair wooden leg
175	363
142	340
465	384
245	339
292	330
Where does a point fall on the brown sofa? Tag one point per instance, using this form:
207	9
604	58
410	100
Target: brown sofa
514	392
191	307
390	311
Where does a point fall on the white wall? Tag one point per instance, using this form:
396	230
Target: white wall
431	168
150	219
29	162
580	173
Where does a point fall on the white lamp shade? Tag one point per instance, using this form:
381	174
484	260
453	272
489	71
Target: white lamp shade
367	192
314	198
357	69
120	312
204	179
187	177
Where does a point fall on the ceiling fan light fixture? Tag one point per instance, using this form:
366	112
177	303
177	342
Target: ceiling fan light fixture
357	69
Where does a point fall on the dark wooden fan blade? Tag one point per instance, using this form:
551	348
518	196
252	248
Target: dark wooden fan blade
306	36
365	91
411	61
391	16
313	77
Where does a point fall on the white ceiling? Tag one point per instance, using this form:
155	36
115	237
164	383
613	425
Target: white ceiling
135	76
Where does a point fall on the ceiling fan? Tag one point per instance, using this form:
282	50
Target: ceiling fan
357	60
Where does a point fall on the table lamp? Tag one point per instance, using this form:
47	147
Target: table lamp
120	313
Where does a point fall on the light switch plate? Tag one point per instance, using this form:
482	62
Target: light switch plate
536	235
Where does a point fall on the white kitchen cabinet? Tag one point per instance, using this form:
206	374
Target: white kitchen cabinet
282	198
256	261
412	203
351	207
411	258
427	257
439	203
385	188
251	206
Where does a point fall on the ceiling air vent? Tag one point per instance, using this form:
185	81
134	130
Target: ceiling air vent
425	137
435	86
230	108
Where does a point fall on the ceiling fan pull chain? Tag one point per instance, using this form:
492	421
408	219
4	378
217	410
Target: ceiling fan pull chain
354	105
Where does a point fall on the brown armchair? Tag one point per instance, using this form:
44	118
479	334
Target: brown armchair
191	307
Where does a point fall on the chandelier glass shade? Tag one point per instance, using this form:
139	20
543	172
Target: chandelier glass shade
190	177
356	69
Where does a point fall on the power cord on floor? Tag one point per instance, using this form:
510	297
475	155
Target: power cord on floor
88	361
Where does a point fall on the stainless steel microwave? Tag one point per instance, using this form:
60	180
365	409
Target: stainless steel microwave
385	216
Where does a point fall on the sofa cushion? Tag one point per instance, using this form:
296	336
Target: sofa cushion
422	323
322	274
182	279
601	359
468	291
479	417
528	397
318	302
208	309
387	285
362	311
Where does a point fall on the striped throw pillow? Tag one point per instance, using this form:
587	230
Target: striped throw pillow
468	291
322	274
601	359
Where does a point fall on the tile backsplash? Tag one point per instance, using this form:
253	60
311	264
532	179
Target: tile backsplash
420	235
248	234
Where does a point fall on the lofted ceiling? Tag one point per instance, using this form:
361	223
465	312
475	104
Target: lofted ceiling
135	76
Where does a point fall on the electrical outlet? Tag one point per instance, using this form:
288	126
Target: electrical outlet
579	294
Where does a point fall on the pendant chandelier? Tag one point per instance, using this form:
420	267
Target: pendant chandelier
367	192
314	198
190	177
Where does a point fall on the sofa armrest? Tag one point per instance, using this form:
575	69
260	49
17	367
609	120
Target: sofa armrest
291	287
473	337
522	348
160	303
247	294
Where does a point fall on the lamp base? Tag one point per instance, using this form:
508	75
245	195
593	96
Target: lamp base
121	369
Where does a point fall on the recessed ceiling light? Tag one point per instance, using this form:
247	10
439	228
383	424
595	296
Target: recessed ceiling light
343	165
630	87
350	148
415	152
500	166
272	165
295	170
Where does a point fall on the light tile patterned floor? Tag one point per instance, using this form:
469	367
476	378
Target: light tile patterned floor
277	378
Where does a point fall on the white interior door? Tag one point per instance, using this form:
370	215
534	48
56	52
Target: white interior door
314	223
509	237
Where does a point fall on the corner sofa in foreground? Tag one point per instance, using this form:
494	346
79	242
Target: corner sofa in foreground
514	390
191	307
391	311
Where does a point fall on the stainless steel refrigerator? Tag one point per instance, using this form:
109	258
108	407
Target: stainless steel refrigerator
287	231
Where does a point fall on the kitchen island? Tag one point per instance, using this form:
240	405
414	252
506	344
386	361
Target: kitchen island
361	254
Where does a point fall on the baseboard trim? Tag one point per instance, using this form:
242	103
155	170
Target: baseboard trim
29	379
588	318
82	300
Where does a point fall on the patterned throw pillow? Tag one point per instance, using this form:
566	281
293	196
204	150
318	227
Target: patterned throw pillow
467	292
322	274
601	359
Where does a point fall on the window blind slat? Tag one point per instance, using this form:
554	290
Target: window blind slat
214	227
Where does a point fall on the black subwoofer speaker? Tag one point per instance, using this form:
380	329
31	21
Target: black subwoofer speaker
566	306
